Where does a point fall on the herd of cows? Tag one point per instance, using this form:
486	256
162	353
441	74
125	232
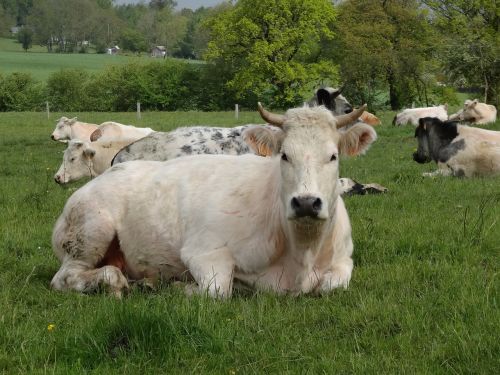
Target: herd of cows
254	204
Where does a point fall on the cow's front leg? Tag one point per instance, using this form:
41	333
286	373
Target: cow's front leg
213	271
338	276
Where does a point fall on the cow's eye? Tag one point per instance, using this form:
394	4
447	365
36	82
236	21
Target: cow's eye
333	158
284	157
72	160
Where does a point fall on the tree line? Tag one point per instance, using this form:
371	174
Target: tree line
387	53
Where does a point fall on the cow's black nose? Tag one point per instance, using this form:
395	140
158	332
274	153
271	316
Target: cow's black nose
348	109
53	138
306	206
418	159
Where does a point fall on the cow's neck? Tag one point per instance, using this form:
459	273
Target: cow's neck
306	240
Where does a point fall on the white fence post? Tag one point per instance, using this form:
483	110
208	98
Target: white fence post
138	110
48	110
236	111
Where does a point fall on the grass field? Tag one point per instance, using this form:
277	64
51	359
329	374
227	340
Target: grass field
423	298
41	64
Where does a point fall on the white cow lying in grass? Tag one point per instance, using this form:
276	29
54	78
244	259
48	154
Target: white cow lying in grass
275	223
114	131
412	115
71	128
86	159
476	113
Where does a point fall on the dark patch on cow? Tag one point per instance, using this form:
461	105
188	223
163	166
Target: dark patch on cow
458	172
356	189
446	153
434	138
188	134
234	134
113	256
217	136
187	149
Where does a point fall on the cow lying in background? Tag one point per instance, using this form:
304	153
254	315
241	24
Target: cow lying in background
457	149
275	223
67	129
476	113
114	131
412	115
86	159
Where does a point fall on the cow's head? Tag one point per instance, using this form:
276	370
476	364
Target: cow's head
62	132
432	135
77	162
470	112
309	147
333	100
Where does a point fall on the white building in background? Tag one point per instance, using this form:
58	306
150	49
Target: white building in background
159	51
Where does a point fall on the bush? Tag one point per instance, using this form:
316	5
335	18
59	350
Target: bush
20	92
65	90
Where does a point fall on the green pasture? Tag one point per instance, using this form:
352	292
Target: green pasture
423	297
41	64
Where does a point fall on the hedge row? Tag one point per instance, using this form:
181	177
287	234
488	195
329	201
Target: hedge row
165	86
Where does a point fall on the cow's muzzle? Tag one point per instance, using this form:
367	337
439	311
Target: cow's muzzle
306	206
59	180
52	137
421	159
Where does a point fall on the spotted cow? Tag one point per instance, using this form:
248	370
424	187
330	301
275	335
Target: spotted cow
458	150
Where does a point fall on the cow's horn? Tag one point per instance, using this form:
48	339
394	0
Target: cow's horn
270	118
338	91
344	120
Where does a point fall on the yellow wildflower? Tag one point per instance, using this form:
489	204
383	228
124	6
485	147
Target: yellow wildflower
51	327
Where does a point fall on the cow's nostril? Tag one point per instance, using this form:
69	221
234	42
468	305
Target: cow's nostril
53	138
317	205
295	203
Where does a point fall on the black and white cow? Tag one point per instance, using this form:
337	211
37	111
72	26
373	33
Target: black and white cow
458	150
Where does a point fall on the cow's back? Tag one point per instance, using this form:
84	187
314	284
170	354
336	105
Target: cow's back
186	141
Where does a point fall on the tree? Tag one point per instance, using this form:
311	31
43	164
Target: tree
25	37
470	31
384	46
133	41
271	48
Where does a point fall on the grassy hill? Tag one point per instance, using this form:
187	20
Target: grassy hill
41	64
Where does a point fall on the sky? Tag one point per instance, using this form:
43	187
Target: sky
193	4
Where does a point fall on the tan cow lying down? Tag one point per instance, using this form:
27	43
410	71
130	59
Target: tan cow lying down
86	159
476	113
71	128
275	223
412	115
114	131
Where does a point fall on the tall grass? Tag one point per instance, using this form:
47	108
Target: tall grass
423	297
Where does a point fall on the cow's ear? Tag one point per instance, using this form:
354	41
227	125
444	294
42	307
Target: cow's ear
89	152
71	121
262	141
356	140
474	103
323	97
96	134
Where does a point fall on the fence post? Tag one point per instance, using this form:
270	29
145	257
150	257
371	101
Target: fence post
138	110
48	110
236	111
